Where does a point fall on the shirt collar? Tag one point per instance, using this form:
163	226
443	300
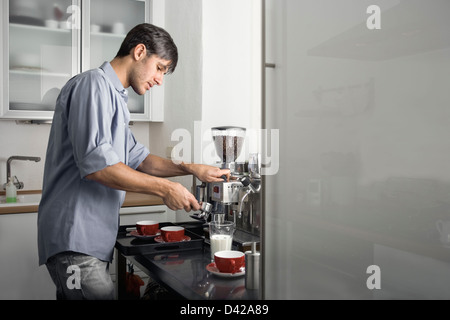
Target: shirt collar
111	74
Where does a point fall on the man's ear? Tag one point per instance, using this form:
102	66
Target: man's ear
139	52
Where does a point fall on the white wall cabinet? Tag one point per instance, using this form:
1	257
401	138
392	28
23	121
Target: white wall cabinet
47	42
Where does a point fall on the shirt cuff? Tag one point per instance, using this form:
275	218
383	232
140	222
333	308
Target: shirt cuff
101	157
137	155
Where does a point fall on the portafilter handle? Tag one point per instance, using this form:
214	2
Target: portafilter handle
206	207
205	210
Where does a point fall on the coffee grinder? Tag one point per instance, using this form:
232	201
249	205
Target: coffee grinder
238	199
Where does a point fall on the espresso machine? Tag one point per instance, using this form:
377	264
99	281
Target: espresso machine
239	199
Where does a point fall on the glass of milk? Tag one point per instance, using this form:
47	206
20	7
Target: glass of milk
220	236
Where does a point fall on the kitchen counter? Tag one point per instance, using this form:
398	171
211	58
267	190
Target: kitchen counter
181	270
131	200
138	199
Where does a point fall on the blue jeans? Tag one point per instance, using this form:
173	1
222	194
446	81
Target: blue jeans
80	277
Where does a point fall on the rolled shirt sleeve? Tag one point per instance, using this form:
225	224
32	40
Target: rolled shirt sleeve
91	113
137	152
99	158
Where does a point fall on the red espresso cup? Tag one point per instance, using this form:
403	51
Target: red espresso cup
172	233
229	261
147	228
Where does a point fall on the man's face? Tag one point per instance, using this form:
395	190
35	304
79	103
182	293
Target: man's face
147	72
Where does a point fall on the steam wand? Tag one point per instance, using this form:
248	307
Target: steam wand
249	183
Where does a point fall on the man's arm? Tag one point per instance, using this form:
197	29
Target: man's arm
122	177
161	167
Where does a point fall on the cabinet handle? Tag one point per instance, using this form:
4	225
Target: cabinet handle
156	211
146	212
271	65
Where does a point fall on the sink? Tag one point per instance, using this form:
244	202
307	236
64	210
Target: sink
31	199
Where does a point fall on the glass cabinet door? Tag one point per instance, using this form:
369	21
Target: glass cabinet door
47	42
43	54
109	22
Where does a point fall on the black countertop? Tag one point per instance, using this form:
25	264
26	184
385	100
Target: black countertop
182	269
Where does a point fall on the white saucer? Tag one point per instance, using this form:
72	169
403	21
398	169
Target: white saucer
160	239
213	269
136	234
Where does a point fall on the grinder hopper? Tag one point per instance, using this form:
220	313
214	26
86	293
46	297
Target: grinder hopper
228	142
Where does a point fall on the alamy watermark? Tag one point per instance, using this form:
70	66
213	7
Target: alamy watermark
74	20
264	142
74	280
374	280
374	20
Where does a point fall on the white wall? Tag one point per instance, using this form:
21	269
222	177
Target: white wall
231	68
183	101
217	81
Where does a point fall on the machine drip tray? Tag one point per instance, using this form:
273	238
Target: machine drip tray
245	238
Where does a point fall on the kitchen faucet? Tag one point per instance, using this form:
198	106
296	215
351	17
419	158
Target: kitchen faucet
18	184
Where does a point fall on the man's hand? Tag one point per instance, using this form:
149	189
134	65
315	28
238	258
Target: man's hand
207	173
178	198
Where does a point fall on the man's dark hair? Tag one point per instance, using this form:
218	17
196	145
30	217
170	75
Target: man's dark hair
157	41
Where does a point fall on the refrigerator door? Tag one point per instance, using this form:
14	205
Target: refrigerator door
359	207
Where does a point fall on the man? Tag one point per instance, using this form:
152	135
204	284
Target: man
93	158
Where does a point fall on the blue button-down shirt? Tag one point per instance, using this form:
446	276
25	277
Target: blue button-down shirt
89	132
